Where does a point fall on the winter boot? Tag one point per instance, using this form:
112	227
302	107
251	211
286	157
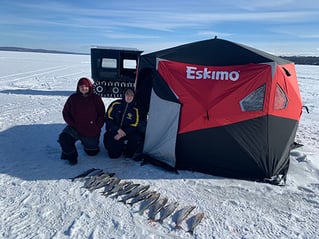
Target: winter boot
64	156
73	158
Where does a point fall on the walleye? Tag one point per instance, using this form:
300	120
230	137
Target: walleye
126	189
194	221
84	174
99	184
142	196
157	206
95	180
182	214
118	187
111	185
94	173
149	202
166	211
136	191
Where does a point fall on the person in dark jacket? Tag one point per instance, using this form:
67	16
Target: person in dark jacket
121	125
84	114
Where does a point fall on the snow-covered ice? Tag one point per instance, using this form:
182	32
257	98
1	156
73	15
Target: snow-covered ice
38	200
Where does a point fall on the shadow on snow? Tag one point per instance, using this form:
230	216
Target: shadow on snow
31	152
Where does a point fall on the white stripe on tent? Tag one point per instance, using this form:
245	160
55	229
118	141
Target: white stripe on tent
161	130
273	67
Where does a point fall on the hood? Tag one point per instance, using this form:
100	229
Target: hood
123	95
126	89
84	81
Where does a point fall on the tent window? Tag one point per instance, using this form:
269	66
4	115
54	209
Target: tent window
281	100
254	101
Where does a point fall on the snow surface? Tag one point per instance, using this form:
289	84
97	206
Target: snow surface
38	200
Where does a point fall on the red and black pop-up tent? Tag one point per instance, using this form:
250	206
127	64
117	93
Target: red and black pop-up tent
221	108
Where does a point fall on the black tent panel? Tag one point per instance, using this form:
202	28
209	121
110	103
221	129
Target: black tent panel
213	52
281	135
148	80
254	149
215	151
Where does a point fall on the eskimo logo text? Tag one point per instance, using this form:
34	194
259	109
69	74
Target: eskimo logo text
193	73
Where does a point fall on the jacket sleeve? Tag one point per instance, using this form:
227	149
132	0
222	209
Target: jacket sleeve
67	113
111	117
100	112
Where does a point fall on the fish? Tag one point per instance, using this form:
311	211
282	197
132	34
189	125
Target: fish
89	182
135	192
94	173
111	185
149	202
142	196
157	206
182	214
118	187
126	189
167	211
91	179
99	184
194	221
95	180
84	174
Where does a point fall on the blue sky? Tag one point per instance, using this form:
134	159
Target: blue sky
281	27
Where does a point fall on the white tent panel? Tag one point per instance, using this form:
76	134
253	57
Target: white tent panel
161	130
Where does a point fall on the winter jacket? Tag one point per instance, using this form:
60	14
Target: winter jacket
121	114
85	113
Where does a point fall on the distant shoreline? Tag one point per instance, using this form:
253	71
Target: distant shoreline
299	60
303	60
22	49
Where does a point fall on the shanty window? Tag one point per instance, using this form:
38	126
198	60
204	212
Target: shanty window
129	64
109	63
281	100
254	101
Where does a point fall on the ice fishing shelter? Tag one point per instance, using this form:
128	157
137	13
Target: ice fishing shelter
221	108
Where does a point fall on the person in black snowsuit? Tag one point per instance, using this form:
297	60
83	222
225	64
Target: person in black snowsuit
121	124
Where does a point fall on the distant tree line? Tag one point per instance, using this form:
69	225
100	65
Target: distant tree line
303	60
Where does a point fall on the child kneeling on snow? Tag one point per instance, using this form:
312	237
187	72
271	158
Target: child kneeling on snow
121	124
84	114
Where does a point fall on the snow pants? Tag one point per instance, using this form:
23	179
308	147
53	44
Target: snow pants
67	140
127	145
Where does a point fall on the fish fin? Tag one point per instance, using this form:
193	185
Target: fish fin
177	227
191	232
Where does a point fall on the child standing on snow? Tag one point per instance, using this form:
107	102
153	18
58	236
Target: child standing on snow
84	114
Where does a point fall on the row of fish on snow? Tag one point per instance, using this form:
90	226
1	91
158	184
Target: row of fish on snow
132	193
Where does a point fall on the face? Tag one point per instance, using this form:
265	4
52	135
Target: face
84	89
129	96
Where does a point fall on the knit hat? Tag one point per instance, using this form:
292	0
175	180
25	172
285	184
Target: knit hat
85	81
